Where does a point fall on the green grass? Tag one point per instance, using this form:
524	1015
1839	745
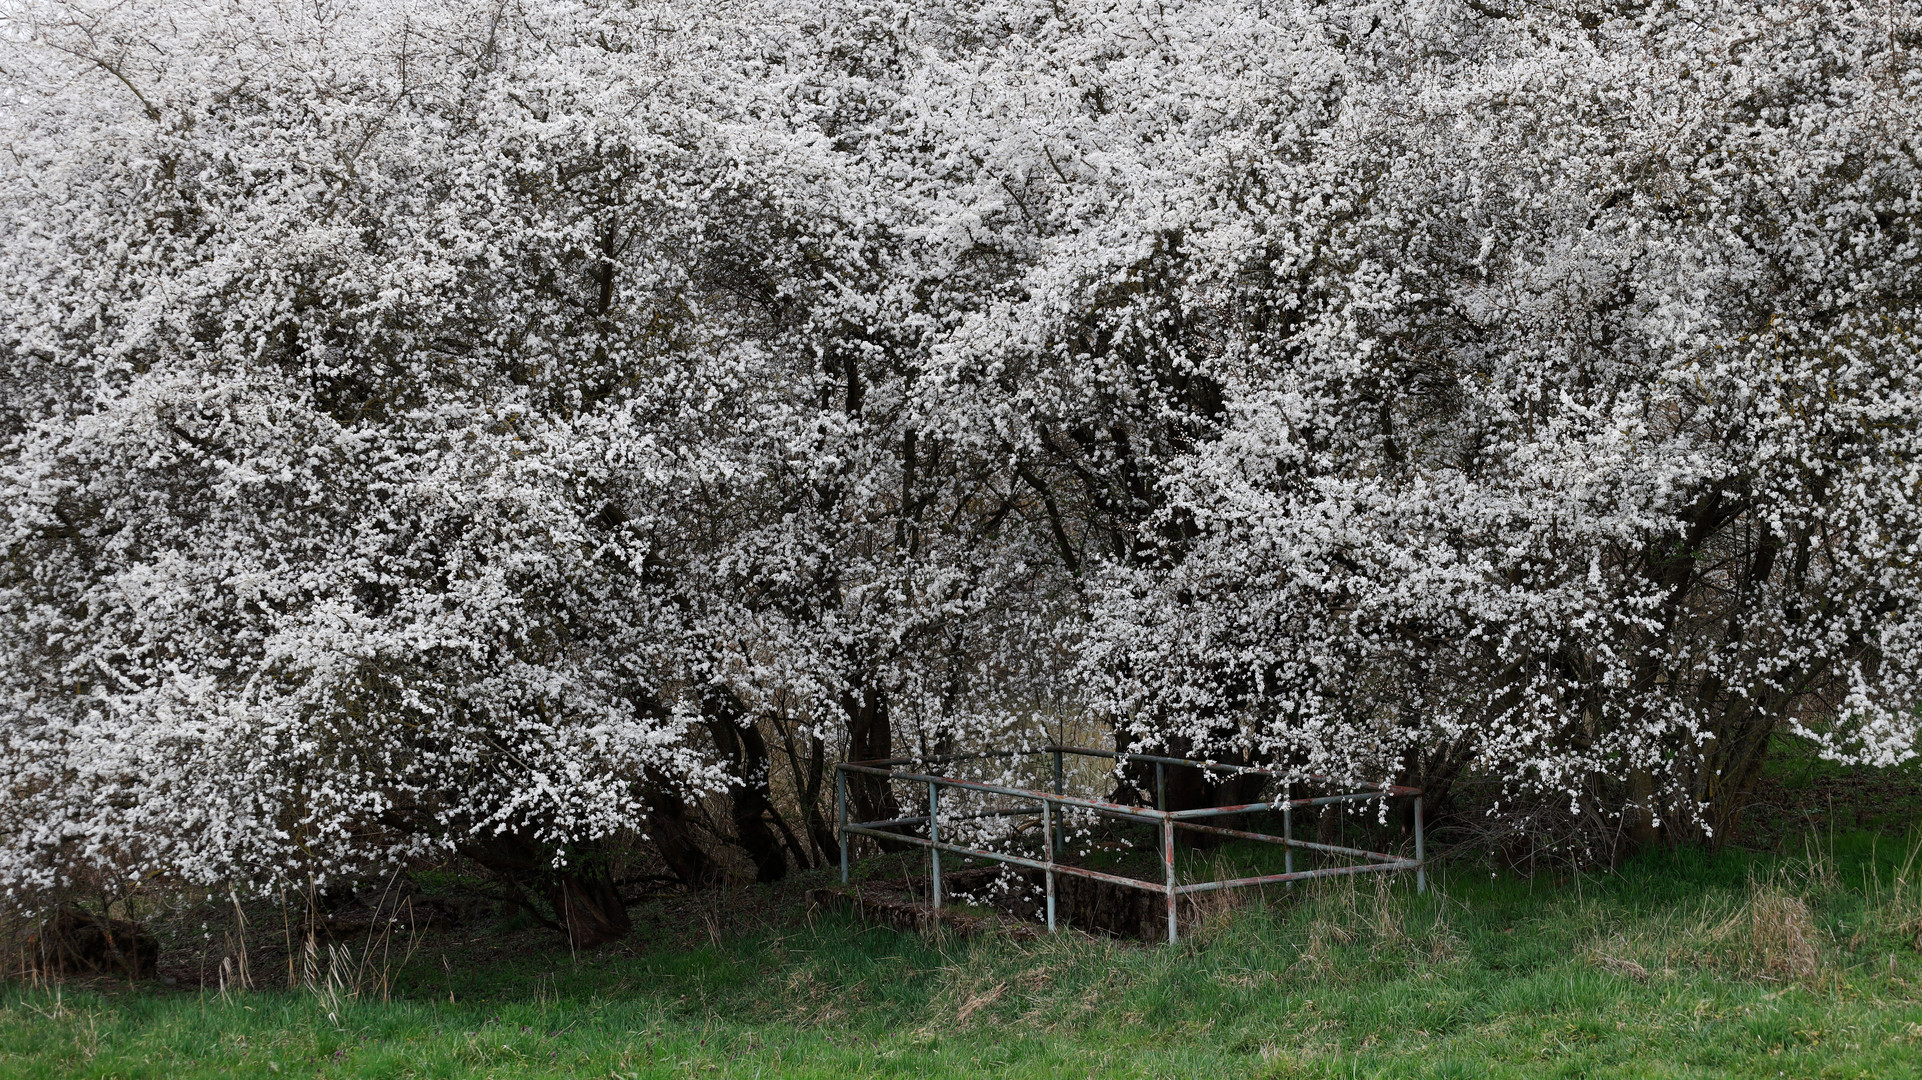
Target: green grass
1681	965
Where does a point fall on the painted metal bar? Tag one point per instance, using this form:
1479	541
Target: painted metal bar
1168	859
1014	860
876	827
841	801
976	755
1288	829
1134	813
1236	770
1161	786
1336	849
1359	853
1250	808
934	850
1269	879
1421	854
940	759
1113	809
1136	883
1047	845
1018	811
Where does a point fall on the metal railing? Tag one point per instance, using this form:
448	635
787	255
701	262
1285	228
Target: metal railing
1052	805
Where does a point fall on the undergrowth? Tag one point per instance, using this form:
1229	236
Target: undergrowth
1678	965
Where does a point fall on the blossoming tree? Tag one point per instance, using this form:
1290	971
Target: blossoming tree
497	427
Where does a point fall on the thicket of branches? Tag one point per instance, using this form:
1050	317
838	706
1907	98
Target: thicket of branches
500	426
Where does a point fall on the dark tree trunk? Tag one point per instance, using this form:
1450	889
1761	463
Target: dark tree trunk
1435	773
870	738
741	744
590	908
1638	818
1137	782
670	825
808	778
670	820
824	837
586	906
1730	777
1185	787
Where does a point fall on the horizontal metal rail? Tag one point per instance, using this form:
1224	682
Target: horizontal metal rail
1113	809
1219	767
1019	811
1290	841
1017	860
932	759
1285	804
1299	875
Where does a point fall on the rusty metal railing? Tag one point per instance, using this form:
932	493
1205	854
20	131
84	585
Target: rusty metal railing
1051	805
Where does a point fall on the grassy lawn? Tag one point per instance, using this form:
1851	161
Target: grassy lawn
1680	965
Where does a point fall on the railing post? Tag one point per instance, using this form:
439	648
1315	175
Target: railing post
1047	840
1168	861
1421	854
1058	790
841	814
1288	828
1161	786
934	833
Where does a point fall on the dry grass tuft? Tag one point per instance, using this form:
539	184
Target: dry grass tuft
1783	933
1385	915
1355	924
977	1002
1616	953
1773	934
1207	916
1618	965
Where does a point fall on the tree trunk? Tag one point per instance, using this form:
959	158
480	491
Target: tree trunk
808	778
670	826
1328	824
670	820
587	907
590	908
1639	815
823	836
1188	788
740	742
870	738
